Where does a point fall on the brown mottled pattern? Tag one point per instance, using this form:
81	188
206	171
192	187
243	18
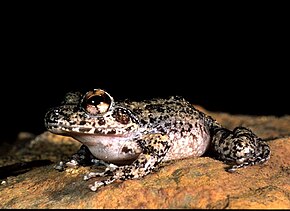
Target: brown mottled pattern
156	130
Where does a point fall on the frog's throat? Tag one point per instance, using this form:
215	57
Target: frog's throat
92	140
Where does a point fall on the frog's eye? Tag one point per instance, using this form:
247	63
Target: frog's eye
96	102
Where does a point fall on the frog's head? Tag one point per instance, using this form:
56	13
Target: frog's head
92	113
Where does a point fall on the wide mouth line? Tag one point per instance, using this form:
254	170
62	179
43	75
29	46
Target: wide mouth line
85	130
79	126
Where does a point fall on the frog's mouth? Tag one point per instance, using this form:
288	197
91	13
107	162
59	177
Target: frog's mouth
71	131
61	126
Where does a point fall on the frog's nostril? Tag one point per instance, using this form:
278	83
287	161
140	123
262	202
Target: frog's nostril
56	111
51	115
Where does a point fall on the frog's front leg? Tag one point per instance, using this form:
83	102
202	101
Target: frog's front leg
154	148
240	147
82	157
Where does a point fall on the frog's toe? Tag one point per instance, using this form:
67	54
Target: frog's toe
94	174
234	168
72	164
98	184
60	166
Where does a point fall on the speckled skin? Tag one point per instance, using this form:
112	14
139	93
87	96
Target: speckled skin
138	136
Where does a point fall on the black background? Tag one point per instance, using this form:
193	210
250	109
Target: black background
236	92
238	67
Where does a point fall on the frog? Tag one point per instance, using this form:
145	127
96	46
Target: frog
133	138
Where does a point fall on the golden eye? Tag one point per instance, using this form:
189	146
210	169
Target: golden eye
97	102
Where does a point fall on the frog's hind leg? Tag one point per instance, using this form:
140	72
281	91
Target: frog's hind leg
154	148
241	147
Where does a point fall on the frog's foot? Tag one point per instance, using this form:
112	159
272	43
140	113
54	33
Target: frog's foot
98	184
241	147
95	174
61	166
254	159
154	148
108	171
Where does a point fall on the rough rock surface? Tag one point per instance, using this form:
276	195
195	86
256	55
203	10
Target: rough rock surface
28	179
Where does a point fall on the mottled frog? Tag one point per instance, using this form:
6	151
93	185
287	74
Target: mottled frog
132	138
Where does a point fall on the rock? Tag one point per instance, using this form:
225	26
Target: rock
189	183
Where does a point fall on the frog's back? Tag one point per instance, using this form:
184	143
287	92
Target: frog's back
186	127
